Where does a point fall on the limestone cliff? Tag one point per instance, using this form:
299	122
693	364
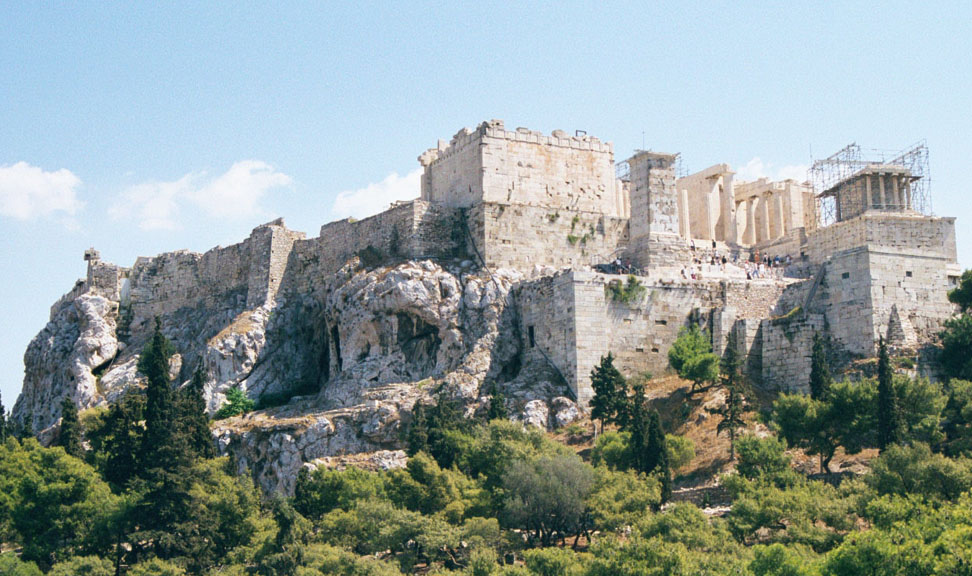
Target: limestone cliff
338	364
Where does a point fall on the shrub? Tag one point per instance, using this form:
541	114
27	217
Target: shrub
681	450
236	403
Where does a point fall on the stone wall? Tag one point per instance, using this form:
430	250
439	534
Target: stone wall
786	349
415	229
522	166
522	237
575	320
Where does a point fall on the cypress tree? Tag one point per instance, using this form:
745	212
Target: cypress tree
638	427
497	405
820	379
165	456
70	435
123	439
610	392
889	416
195	423
656	453
418	431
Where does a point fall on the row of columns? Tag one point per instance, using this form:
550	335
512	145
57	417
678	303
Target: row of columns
773	221
899	194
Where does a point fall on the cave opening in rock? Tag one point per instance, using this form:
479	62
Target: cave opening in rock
419	342
336	339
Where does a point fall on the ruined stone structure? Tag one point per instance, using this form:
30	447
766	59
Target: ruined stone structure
505	271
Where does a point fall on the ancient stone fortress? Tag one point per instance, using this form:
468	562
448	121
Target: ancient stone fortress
510	270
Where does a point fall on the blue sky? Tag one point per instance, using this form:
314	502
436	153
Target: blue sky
141	128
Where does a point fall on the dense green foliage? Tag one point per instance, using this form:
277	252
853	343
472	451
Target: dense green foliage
486	496
69	435
692	358
236	403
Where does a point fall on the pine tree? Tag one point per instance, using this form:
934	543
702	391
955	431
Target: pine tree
889	416
734	406
70	435
193	419
497	405
820	379
610	392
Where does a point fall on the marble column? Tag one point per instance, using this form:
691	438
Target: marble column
780	219
766	219
751	221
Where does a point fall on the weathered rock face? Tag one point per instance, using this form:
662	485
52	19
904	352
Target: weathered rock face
66	359
343	362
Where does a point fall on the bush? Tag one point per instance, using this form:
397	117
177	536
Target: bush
84	566
236	403
681	450
917	470
10	565
156	567
764	459
625	293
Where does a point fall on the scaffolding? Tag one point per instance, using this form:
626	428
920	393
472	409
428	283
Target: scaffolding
842	178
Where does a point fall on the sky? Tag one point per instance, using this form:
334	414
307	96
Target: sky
141	128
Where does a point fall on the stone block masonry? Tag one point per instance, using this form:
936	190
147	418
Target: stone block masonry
492	164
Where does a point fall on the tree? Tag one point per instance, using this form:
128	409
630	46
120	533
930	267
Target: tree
121	439
286	552
691	356
548	496
656	455
962	295
732	410
888	414
69	436
958	418
610	392
956	355
417	439
820	379
3	422
58	501
192	409
497	405
844	418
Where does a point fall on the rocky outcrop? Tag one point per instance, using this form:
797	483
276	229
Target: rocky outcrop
339	366
68	358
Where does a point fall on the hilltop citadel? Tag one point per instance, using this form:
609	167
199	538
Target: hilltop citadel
558	227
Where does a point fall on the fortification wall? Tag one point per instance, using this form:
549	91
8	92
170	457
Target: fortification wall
547	328
518	236
576	322
786	349
492	164
453	173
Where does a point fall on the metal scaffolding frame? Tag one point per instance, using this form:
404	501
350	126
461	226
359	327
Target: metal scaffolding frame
837	175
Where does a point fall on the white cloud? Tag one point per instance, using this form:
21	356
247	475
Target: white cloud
756	169
154	205
376	197
235	194
27	192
